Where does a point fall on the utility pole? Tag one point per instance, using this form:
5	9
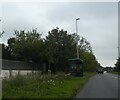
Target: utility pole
77	40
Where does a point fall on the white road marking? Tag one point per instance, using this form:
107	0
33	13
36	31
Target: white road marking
116	77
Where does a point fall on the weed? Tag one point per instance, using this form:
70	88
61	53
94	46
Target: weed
43	86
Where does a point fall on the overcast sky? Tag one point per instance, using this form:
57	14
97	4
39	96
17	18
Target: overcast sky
98	23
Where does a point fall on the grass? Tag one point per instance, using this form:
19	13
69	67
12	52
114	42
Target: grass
43	86
115	73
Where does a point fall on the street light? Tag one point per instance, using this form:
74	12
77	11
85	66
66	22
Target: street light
77	40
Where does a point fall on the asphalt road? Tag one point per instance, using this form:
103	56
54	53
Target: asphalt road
100	86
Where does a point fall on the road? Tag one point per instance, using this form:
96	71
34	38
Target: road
100	86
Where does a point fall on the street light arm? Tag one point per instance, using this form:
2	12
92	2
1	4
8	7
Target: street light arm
78	19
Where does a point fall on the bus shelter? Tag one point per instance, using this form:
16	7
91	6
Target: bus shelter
76	67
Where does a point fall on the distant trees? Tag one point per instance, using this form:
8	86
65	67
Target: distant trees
1	34
87	55
54	50
90	62
6	52
117	65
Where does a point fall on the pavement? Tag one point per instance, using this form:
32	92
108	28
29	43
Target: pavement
100	86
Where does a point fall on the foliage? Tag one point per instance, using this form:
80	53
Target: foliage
54	50
85	45
6	52
90	63
35	86
117	65
1	45
86	54
60	47
26	45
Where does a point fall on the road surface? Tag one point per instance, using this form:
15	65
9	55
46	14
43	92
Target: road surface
100	86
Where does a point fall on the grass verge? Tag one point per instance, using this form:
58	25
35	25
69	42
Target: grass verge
43	86
115	73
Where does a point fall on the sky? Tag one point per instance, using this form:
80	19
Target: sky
98	22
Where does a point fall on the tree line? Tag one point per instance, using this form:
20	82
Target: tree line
117	65
54	50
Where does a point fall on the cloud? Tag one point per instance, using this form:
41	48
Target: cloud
98	22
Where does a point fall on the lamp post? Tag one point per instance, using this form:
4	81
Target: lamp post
77	40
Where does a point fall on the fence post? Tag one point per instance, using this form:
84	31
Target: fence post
49	72
39	72
44	68
18	72
32	72
10	73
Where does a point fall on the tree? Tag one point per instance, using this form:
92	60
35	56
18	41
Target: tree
85	45
86	54
26	45
11	44
60	48
6	52
90	63
54	50
117	65
1	45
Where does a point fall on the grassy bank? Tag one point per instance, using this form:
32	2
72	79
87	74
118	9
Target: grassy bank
43	86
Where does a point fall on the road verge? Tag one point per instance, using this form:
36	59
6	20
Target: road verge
44	86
